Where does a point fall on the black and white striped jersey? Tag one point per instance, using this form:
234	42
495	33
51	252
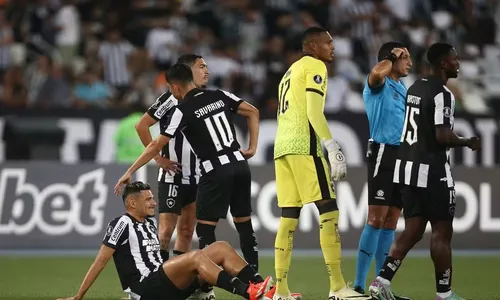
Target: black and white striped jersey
206	119
421	158
137	249
114	57
178	149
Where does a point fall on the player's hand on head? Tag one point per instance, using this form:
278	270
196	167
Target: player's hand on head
474	143
172	167
337	160
248	153
125	179
398	52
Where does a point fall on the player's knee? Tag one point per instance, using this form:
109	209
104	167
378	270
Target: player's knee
392	218
290	212
441	237
196	256
185	232
326	206
416	236
390	222
222	246
376	221
165	232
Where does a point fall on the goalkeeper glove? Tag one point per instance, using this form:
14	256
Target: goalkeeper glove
338	167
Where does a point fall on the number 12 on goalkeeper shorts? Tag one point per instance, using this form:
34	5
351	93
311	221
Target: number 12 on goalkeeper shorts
282	102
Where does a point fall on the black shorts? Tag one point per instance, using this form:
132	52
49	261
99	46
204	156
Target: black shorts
157	286
434	203
173	197
226	186
381	162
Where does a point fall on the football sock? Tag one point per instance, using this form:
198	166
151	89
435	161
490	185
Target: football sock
391	266
366	248
248	243
165	255
232	284
283	253
443	281
384	245
248	274
329	239
206	234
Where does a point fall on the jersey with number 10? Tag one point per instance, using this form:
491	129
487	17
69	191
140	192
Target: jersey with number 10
205	118
294	134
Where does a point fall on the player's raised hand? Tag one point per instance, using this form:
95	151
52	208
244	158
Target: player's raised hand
474	143
168	165
248	153
126	178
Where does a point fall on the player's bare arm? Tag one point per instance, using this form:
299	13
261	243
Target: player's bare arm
250	112
446	136
142	127
102	258
376	78
149	153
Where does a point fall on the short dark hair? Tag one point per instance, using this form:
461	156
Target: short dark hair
134	187
437	52
188	59
312	31
386	49
179	73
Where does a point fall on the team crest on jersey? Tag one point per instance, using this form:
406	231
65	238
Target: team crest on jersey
151	228
156	104
447	111
318	79
452	211
109	230
170	202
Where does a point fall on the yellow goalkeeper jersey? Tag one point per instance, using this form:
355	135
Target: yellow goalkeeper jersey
295	134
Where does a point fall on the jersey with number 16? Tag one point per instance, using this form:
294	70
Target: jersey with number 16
295	134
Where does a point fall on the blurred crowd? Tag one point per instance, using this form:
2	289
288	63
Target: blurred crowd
112	54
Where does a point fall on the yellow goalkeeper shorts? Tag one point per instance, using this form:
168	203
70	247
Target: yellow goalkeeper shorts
302	179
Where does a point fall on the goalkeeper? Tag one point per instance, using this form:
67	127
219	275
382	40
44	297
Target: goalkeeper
302	174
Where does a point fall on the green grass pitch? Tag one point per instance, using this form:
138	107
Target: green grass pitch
23	278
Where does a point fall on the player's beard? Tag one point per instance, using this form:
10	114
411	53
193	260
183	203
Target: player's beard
452	74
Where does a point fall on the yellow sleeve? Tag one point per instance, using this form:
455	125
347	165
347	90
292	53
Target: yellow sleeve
316	77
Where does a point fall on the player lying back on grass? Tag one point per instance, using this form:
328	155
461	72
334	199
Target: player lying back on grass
131	239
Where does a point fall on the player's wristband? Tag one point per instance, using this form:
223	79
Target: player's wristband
331	145
392	57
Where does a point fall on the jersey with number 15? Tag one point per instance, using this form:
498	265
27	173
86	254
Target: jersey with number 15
295	135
